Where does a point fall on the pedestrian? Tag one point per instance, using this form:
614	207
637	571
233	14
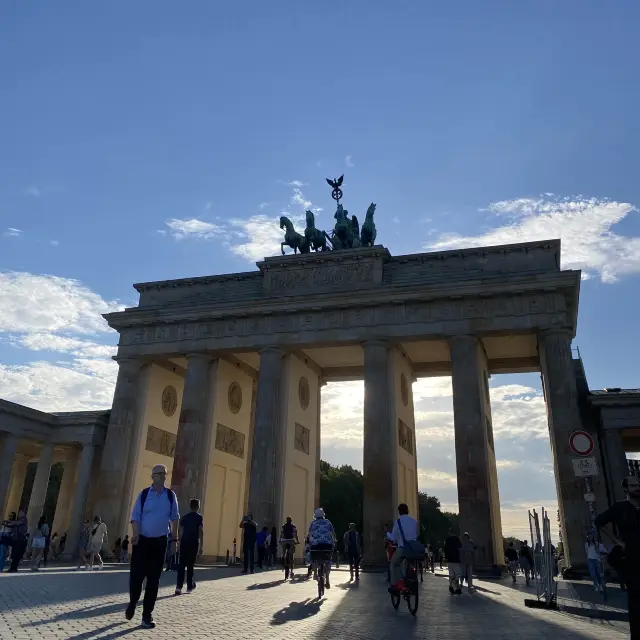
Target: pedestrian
625	516
273	546
526	561
467	560
47	546
431	558
452	548
63	543
261	544
250	529
117	549
125	550
353	547
38	543
155	510
55	541
191	538
512	561
98	539
84	546
390	548
595	551
234	551
19	533
441	558
5	539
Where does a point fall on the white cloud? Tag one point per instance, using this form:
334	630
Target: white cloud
75	386
260	236
32	191
193	228
583	224
295	183
348	161
395	220
42	313
263	205
43	303
298	199
54	243
12	231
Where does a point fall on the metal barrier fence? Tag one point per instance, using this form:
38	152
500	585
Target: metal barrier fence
544	560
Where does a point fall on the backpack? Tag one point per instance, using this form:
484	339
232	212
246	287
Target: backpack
145	492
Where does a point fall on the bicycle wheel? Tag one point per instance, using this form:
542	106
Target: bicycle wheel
412	600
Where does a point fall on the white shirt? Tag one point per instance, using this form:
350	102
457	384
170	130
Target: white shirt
592	552
409	527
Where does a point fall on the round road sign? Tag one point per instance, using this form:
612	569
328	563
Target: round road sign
581	443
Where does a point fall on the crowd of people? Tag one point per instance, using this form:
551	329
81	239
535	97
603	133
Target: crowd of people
160	536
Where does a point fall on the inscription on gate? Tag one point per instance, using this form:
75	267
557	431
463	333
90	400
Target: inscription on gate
230	441
344	275
161	442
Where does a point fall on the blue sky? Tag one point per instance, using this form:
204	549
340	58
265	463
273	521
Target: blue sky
157	140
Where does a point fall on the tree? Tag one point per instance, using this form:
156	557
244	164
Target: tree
341	495
435	524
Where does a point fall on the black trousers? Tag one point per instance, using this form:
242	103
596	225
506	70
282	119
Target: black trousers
633	595
17	551
147	560
354	563
249	557
261	553
188	553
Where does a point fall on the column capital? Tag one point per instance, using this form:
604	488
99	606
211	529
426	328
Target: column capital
276	350
552	332
128	365
376	342
465	337
199	355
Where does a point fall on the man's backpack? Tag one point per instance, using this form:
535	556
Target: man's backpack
145	493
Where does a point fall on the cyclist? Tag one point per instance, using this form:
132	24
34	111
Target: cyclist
288	540
409	533
322	537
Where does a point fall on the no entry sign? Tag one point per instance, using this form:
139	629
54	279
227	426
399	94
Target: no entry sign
581	443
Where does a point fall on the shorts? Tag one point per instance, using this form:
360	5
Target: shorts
94	547
38	543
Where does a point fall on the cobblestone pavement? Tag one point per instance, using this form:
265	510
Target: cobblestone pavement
59	603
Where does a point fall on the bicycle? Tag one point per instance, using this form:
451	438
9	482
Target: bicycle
410	589
319	559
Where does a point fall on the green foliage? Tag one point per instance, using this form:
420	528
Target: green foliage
435	524
508	539
341	496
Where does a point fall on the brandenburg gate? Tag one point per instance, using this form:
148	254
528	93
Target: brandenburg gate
221	377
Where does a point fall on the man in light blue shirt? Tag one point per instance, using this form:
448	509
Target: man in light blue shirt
155	513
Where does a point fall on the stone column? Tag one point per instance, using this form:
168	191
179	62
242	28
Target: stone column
133	454
65	495
265	488
79	499
564	418
616	463
478	500
321	384
9	447
252	425
195	418
40	484
18	477
127	413
379	452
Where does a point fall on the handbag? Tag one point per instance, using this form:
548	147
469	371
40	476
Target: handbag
413	549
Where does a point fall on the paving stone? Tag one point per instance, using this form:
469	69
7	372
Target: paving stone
60	603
